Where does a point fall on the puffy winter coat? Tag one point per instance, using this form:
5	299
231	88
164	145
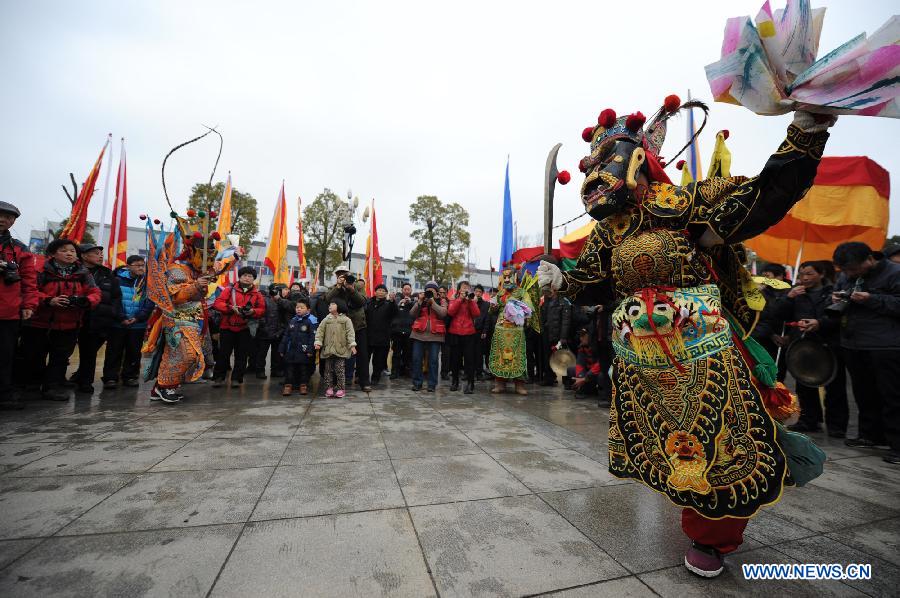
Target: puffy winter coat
52	282
108	313
272	325
462	317
135	303
235	296
297	343
23	294
336	336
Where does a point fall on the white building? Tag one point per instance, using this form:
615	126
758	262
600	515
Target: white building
393	269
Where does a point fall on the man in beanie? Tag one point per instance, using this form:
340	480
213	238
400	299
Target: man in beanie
18	298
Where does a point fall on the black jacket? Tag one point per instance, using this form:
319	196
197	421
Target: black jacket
810	306
379	315
874	324
296	344
108	313
481	322
402	321
273	323
771	320
556	319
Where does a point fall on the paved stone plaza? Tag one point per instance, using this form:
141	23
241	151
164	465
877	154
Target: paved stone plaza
244	493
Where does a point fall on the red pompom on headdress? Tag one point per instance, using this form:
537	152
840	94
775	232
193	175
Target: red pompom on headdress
564	177
215	236
607	118
672	103
724	133
679	165
191	213
143	216
156	221
635	121
581	165
213	213
587	134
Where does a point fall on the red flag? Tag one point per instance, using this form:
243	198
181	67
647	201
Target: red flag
117	248
373	271
74	228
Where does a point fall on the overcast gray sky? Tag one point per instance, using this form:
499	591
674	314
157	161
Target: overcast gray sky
391	99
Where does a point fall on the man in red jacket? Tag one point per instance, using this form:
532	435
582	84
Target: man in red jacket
66	292
18	299
241	305
463	337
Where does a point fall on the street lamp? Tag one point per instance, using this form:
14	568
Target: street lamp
349	229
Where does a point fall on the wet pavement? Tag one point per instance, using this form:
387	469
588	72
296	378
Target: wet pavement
240	492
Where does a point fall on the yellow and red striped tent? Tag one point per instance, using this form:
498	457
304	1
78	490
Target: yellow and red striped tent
847	202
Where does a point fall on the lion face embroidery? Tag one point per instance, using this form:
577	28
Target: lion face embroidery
688	461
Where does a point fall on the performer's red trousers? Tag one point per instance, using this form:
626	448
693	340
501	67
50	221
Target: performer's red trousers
725	535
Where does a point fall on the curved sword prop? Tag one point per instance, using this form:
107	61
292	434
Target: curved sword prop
550	173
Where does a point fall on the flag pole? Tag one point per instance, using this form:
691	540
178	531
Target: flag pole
105	189
114	229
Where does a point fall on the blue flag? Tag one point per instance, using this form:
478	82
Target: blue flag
507	240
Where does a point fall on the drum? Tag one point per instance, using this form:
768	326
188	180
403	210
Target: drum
811	362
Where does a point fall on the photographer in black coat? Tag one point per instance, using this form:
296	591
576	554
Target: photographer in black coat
401	327
483	347
100	321
867	305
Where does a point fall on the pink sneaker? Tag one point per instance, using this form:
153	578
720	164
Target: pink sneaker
704	561
340	394
329	392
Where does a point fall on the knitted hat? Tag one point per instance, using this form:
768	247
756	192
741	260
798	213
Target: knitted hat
431	285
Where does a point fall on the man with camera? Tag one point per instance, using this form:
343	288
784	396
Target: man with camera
241	306
401	327
346	289
99	322
462	336
428	335
18	298
867	303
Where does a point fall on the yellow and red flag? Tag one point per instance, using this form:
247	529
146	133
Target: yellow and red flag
223	226
373	271
849	201
117	248
301	250
74	228
276	253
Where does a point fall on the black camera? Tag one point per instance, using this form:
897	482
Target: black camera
10	272
429	294
470	296
77	300
246	310
349	278
838	308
